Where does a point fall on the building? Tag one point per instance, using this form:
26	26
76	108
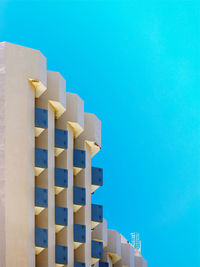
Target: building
46	179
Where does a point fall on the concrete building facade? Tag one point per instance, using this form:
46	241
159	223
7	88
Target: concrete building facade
46	178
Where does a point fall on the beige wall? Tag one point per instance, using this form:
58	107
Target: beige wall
17	180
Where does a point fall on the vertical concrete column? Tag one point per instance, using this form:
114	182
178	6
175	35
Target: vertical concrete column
65	198
51	193
56	106
70	232
46	219
2	155
87	180
52	99
90	141
72	120
18	64
83	216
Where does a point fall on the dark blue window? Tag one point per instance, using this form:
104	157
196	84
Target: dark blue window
61	255
97	249
79	264
97	176
61	177
61	138
41	237
41	197
41	118
79	195
61	216
97	213
79	233
103	264
79	158
41	158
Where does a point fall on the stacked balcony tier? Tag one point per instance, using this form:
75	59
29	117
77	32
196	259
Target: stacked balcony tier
41	160
41	199
97	215
61	141
97	251
79	160
61	255
79	235
61	179
79	198
41	239
41	120
61	218
97	178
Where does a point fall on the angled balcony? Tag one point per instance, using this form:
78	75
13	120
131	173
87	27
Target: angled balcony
79	198
38	86
79	264
97	178
56	93
97	251
41	199
61	218
41	240
97	215
61	141
75	113
61	255
79	235
41	121
79	160
61	180
41	160
91	134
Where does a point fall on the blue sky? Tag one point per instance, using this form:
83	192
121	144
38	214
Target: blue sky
136	64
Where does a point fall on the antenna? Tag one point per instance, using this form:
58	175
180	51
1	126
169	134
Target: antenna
136	242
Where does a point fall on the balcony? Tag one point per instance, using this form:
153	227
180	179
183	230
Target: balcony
56	93
41	120
97	178
97	215
61	141
38	86
79	160
79	198
79	264
41	240
61	255
61	180
41	199
103	264
97	251
75	113
61	218
92	133
41	160
79	235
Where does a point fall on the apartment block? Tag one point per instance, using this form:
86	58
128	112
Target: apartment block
47	142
